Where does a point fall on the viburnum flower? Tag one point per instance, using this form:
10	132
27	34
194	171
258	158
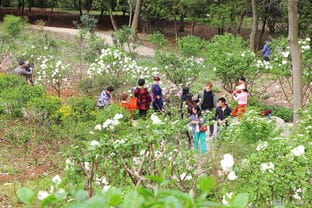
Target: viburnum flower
226	197
98	127
267	166
155	119
298	151
105	188
232	176
227	163
94	143
56	179
42	195
118	116
185	176
262	146
107	123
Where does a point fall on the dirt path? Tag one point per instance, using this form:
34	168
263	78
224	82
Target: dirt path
141	50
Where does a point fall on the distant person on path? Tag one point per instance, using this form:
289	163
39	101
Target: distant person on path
24	70
143	98
223	112
157	99
208	102
241	99
198	135
266	50
105	97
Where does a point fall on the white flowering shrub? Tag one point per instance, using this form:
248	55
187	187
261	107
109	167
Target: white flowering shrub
51	73
114	67
280	66
181	70
278	172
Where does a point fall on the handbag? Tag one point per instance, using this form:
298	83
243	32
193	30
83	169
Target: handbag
203	128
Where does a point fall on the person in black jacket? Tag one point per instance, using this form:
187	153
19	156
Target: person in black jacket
223	112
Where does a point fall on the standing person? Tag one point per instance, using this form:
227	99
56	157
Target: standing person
157	99
241	99
207	102
241	84
105	97
198	135
223	112
185	92
143	98
266	50
25	71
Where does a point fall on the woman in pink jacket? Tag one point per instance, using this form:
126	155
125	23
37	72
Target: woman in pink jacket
241	99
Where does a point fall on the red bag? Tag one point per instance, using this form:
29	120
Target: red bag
203	128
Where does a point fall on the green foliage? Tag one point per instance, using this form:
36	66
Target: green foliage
41	109
250	129
180	70
26	195
19	135
88	23
158	39
231	62
191	45
12	25
284	113
124	36
82	108
10	81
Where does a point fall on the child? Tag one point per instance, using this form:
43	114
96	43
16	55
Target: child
198	136
143	98
222	113
105	97
241	99
241	84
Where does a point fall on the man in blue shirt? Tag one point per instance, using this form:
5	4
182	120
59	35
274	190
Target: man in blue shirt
266	51
105	97
157	99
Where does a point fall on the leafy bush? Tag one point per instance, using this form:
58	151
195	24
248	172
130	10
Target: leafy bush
12	25
82	108
88	23
285	113
43	108
250	129
10	81
191	45
158	39
122	36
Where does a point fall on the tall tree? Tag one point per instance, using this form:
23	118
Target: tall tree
295	53
136	17
254	25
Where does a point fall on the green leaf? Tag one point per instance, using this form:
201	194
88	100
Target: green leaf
241	201
156	179
48	201
114	197
132	200
81	195
25	195
97	201
206	184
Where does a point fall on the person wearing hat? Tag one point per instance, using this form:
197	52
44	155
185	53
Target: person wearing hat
24	71
157	100
105	97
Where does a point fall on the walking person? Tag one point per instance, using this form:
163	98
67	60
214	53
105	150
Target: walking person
223	112
143	98
207	103
199	135
157	97
105	97
266	51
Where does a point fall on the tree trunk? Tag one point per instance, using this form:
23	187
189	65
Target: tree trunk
80	7
30	4
23	6
130	13
113	19
254	25
262	32
181	23
295	54
242	16
136	16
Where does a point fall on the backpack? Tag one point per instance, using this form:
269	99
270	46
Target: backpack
144	98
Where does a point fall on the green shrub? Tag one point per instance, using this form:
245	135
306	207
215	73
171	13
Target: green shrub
158	39
82	108
12	25
88	23
191	45
10	81
43	108
280	111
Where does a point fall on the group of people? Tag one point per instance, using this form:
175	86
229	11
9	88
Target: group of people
141	99
196	108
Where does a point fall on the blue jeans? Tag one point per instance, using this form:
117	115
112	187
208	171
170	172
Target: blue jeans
201	138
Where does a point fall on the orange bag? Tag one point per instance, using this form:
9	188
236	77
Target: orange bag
133	103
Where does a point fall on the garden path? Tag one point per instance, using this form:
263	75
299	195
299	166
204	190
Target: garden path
141	50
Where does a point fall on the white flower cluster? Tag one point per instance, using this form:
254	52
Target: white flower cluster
227	164
263	64
155	119
114	62
56	180
226	198
102	181
51	71
267	167
297	194
262	146
298	151
111	123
